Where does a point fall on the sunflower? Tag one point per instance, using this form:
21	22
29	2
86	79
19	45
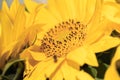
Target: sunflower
8	18
16	32
71	36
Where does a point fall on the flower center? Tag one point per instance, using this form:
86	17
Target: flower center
63	38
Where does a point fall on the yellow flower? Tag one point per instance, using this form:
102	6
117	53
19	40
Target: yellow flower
9	19
111	11
72	34
113	72
16	32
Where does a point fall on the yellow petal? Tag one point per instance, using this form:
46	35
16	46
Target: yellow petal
84	76
44	16
53	9
91	58
29	19
31	5
116	56
63	9
32	54
90	8
111	74
38	56
14	9
31	35
58	75
105	43
96	20
77	56
6	52
70	6
111	11
49	67
100	31
6	27
5	7
20	18
68	72
81	6
113	16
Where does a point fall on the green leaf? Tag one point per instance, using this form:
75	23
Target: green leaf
19	71
106	56
93	71
114	32
89	69
9	64
98	79
101	70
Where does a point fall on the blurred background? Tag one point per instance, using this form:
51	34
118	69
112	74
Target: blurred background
9	1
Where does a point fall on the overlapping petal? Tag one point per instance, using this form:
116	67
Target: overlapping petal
87	12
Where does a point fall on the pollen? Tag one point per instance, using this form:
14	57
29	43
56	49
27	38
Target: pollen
63	38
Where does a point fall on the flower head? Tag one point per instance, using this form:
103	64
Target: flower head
16	32
9	28
71	36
